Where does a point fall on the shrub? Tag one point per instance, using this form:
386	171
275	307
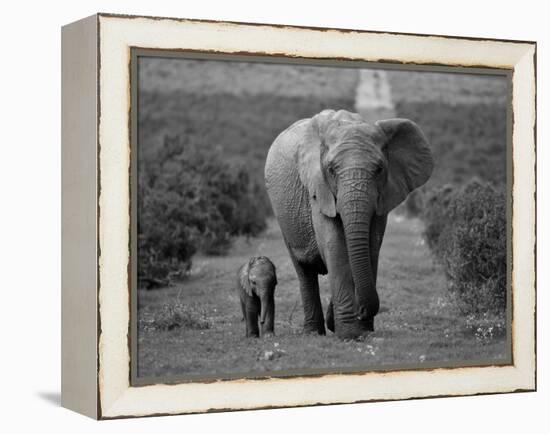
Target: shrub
435	213
466	230
172	316
190	200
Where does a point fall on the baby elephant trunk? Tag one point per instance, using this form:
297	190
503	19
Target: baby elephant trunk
266	302
263	312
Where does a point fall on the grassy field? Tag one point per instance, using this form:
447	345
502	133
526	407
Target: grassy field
195	328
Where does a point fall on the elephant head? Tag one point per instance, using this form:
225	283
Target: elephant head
354	171
258	277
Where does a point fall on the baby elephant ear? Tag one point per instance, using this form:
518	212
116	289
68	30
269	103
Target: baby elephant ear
410	161
244	279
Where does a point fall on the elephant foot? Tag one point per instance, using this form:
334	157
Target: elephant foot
351	331
367	325
316	328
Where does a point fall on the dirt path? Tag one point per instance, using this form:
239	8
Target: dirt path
416	323
373	97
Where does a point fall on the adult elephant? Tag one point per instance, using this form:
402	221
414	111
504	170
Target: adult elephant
332	180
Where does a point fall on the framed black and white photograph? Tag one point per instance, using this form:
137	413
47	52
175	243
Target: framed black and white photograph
261	216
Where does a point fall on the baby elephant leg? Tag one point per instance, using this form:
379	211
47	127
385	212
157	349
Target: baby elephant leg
268	325
251	310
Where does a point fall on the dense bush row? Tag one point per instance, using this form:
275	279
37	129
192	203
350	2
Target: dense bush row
191	200
466	229
463	204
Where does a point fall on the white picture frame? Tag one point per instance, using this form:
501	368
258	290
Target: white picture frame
96	152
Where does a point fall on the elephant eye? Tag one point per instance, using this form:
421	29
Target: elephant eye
378	170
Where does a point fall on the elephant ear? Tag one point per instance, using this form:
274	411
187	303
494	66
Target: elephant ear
309	167
410	161
244	279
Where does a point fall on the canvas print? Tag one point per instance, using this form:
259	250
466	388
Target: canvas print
299	218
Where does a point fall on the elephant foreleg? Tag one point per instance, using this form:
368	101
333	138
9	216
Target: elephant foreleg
377	230
251	313
341	312
311	300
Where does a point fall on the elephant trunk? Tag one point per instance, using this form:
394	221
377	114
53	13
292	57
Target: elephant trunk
356	214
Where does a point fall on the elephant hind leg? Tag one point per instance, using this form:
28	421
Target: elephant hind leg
311	300
330	317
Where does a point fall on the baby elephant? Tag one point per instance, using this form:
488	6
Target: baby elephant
256	281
